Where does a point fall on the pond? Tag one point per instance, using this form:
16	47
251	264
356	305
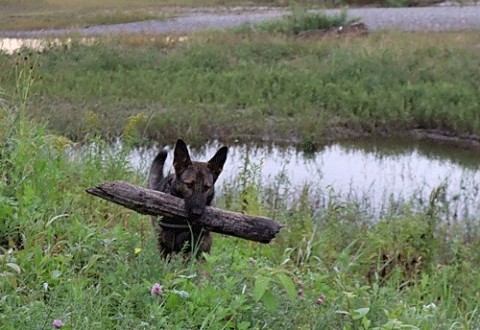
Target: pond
376	175
12	45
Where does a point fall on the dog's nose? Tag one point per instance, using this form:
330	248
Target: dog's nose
196	211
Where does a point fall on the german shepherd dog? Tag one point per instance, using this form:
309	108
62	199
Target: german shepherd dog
194	183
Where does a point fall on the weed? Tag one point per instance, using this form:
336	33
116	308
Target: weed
301	20
68	257
271	85
89	263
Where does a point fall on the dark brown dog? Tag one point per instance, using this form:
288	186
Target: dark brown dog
194	183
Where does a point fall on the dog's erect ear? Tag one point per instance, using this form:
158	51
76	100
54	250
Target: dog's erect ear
181	157
216	163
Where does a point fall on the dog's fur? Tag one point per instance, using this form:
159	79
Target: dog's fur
194	183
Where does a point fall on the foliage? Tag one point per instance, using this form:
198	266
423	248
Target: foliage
91	264
302	20
70	257
239	85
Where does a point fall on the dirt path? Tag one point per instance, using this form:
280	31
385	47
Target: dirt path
423	18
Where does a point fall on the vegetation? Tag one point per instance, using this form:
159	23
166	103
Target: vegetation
300	20
308	89
73	261
33	14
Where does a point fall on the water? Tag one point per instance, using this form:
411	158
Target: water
376	175
12	45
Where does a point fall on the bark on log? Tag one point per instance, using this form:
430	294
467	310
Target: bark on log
151	202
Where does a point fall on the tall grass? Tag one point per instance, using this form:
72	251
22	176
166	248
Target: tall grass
301	20
272	85
91	264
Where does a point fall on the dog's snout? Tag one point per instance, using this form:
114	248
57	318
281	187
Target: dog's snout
197	211
195	205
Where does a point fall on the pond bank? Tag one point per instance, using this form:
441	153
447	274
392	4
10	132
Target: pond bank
251	85
340	134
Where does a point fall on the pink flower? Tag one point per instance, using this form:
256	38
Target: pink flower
298	282
157	290
57	324
320	300
300	293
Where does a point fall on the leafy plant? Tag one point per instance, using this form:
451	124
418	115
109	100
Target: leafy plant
302	20
268	282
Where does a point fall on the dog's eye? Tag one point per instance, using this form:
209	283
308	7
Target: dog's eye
189	184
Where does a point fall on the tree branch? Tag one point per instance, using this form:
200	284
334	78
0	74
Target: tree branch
155	203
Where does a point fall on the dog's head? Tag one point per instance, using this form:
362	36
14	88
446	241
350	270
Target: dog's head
194	181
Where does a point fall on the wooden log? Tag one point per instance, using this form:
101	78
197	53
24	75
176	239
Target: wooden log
151	202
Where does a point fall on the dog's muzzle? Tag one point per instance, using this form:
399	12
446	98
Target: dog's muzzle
195	206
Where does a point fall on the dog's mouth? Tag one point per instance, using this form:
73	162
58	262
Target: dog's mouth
195	206
195	212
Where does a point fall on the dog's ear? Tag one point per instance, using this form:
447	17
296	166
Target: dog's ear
181	157
218	160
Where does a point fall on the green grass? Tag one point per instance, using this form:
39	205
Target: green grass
300	20
32	14
70	256
272	84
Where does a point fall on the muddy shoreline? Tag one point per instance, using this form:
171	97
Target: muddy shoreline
342	134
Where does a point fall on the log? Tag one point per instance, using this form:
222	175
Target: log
151	202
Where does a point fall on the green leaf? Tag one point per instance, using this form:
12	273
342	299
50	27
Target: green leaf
396	324
56	274
270	301
13	266
342	312
350	295
288	285
361	312
261	284
366	323
172	301
244	325
181	294
55	218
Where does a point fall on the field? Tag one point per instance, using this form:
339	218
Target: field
89	264
277	84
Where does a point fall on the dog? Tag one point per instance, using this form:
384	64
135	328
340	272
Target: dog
194	182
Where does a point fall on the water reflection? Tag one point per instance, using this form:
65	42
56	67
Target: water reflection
11	45
375	173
